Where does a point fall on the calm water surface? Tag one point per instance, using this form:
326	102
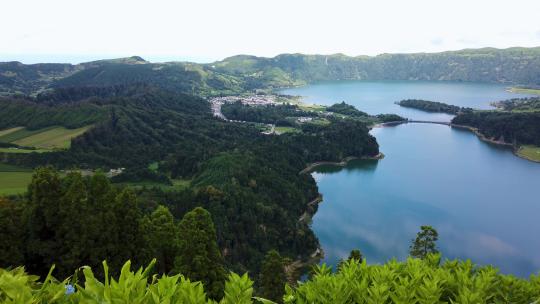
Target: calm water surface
483	200
375	97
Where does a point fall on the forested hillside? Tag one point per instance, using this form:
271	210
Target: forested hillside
432	106
517	128
514	65
233	170
240	73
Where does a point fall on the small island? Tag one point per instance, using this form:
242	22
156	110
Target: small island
432	106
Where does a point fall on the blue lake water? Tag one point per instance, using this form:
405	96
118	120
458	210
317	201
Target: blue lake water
483	200
375	97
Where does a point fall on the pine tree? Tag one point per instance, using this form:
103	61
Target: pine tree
162	239
42	220
199	257
11	234
73	231
424	243
273	277
356	255
129	238
101	229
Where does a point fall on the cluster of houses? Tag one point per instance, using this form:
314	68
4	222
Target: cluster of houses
253	100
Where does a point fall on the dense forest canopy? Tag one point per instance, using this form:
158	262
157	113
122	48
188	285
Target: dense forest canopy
281	115
432	106
151	120
232	168
519	104
517	128
345	109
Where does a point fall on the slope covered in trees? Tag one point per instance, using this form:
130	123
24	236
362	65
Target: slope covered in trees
514	65
240	73
277	114
248	181
517	128
432	106
519	104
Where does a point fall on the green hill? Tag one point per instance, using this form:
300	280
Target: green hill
236	74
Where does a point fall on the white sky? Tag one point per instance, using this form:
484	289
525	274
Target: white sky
207	30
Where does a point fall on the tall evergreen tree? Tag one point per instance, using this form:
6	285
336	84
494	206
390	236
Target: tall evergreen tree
73	230
356	255
424	243
42	220
199	257
162	239
272	277
11	234
103	232
129	238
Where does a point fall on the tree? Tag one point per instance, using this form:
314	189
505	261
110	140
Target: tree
273	277
199	257
424	243
42	220
73	230
354	255
130	245
11	234
162	241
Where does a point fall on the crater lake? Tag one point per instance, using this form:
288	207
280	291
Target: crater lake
483	200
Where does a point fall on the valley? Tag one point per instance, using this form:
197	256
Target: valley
257	151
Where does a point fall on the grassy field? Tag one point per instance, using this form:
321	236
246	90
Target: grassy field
8	131
281	130
57	138
177	184
15	134
529	152
46	139
14	180
18	150
525	91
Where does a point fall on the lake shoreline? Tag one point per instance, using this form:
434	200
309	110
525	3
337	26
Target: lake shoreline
342	163
480	135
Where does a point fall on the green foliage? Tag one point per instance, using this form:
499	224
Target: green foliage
282	115
518	65
238	74
425	242
146	124
345	109
518	128
389	118
411	281
432	106
272	277
199	257
163	238
130	287
72	221
519	104
414	281
35	115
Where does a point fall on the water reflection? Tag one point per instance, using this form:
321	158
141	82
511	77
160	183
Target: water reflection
480	197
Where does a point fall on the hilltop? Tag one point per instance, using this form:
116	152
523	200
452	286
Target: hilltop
244	72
